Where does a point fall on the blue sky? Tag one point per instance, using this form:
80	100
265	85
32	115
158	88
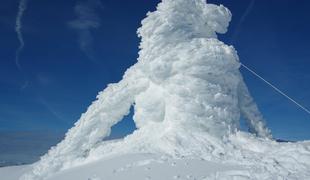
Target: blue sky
73	49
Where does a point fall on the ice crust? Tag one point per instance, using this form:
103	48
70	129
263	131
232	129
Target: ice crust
188	97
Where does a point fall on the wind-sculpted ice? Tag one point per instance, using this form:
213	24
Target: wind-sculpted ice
186	89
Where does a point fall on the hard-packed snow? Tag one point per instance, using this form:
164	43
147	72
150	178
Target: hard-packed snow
188	96
147	166
13	172
250	158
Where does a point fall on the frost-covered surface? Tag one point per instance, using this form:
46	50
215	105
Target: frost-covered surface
147	166
188	96
254	159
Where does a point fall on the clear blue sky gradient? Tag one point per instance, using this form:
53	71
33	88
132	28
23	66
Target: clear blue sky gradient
271	36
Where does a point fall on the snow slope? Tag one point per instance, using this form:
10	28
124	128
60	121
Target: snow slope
188	96
140	166
251	159
13	172
146	166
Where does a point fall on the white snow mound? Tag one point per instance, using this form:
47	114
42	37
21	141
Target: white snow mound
188	96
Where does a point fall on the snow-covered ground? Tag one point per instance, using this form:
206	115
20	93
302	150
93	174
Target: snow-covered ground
13	172
146	166
242	157
140	167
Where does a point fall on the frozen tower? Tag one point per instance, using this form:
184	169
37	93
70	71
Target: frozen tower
195	76
186	83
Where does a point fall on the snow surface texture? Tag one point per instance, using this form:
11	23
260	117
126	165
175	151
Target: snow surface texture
188	96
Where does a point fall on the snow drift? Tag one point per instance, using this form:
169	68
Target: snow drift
188	96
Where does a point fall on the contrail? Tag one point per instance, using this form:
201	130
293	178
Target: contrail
18	28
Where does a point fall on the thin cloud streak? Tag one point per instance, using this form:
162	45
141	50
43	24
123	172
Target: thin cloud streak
87	19
241	21
18	28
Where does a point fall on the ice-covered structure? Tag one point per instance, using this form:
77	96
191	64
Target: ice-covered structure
187	92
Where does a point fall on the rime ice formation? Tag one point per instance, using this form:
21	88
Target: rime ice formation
188	96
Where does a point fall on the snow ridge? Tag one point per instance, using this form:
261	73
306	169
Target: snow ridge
188	96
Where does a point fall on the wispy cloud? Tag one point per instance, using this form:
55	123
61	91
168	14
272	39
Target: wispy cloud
18	28
87	19
241	21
